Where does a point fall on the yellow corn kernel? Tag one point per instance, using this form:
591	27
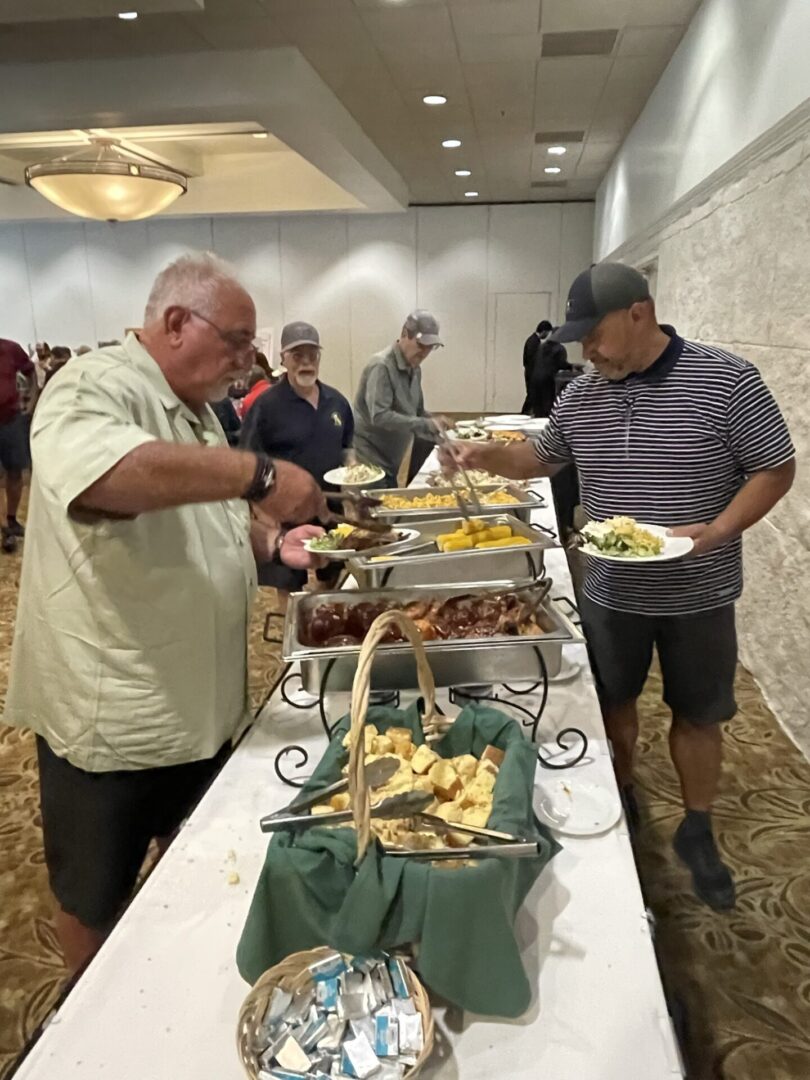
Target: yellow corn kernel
463	543
512	541
499	532
472	526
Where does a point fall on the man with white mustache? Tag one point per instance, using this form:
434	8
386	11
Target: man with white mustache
304	421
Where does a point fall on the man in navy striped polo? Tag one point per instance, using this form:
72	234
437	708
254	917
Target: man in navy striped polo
673	433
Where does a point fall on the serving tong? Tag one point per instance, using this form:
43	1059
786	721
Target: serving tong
363	504
378	772
464	503
408	804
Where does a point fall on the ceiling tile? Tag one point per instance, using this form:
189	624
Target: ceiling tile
580	43
661	12
568	90
480	17
490	48
237	32
586	14
650	41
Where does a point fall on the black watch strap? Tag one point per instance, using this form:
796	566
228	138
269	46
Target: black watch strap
263	479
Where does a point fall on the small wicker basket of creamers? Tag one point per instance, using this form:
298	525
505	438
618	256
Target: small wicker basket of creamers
415	835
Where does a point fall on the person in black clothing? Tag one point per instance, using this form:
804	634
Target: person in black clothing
302	420
229	419
542	360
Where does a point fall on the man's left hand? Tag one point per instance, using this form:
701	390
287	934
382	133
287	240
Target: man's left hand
701	534
293	553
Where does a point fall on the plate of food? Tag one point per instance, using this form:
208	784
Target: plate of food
506	435
623	539
354	475
467	432
346	541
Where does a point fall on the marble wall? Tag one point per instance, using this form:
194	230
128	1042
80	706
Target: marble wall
735	272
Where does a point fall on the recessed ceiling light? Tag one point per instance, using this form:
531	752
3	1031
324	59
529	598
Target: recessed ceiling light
451	144
556	150
463	172
259	134
552	169
434	99
128	15
470	194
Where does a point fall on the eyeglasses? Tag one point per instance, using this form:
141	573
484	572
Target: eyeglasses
237	342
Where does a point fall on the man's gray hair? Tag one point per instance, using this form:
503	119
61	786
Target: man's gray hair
192	281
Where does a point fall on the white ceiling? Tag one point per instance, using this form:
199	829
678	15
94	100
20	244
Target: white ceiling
379	57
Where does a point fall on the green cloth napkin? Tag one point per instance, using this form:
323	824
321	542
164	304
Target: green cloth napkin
309	892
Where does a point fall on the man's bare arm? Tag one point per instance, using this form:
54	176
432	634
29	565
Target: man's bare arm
159	475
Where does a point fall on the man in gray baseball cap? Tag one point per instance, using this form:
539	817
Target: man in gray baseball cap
389	408
687	437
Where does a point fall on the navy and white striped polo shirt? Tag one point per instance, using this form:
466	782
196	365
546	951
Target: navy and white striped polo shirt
671	445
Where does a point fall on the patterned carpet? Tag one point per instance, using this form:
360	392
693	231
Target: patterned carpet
743	979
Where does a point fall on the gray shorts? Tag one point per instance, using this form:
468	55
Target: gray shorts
698	656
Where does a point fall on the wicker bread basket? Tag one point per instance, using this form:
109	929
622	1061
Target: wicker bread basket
293	974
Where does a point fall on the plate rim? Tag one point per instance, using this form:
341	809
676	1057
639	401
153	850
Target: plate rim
353	483
348	553
565	831
635	560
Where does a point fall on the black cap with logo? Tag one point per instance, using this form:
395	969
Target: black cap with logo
602	288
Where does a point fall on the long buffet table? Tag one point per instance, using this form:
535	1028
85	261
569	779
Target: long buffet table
160	1000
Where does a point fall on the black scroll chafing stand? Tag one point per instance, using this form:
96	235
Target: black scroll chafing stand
296	757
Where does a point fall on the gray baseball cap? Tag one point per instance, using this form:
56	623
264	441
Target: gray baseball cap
299	333
602	288
424	327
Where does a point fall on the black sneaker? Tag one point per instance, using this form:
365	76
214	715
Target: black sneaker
630	804
8	542
14	528
711	878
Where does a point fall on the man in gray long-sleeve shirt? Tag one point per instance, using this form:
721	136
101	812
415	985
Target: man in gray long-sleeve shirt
389	409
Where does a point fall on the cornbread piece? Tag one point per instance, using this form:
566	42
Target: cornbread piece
402	740
340	801
450	812
446	781
382	744
424	758
465	766
494	754
477	816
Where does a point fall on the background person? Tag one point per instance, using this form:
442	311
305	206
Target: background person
543	360
389	407
302	420
674	433
130	646
14	362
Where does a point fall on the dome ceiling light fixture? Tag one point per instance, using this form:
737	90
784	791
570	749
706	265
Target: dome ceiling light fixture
109	185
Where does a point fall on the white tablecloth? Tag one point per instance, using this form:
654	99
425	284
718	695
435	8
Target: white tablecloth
160	1000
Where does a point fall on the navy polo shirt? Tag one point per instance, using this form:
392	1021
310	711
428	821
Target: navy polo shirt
284	425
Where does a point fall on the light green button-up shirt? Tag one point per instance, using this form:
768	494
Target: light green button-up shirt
130	646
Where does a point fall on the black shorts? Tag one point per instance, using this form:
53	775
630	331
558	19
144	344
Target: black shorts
14	455
97	826
698	656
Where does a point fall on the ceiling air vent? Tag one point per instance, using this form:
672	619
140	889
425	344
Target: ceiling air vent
548	185
580	43
559	136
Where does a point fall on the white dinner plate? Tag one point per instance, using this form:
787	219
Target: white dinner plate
457	435
408	537
338	476
675	547
576	807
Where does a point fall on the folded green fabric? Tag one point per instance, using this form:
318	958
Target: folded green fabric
460	920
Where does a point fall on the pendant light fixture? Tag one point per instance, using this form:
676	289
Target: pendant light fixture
110	184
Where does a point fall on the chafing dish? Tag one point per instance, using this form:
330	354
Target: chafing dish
426	565
459	662
525	502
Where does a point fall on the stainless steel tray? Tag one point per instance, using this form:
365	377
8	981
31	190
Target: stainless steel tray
526	502
459	662
429	566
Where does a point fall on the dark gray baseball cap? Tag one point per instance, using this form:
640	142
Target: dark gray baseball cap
602	288
299	333
424	327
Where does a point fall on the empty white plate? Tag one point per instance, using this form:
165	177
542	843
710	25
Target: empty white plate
574	807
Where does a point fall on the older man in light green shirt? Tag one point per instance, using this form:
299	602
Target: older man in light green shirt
130	647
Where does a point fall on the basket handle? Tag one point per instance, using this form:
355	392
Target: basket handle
358	789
